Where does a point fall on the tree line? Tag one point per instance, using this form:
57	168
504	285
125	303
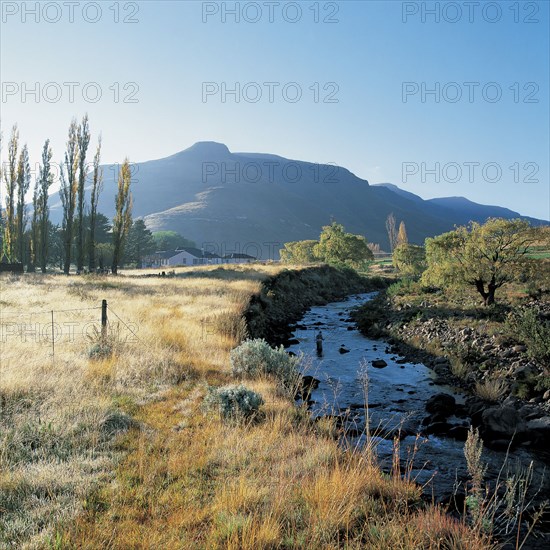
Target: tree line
85	237
484	256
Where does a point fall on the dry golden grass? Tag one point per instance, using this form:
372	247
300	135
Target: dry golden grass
116	452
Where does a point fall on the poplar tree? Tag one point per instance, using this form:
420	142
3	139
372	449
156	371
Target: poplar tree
123	214
402	234
23	184
10	175
97	187
45	178
390	228
83	142
68	192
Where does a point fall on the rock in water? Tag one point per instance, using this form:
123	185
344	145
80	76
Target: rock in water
441	403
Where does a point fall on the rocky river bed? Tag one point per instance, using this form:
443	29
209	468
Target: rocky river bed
405	399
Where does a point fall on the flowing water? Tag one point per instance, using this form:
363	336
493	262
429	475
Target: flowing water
397	395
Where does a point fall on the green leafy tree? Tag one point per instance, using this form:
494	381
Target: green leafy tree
409	259
338	247
104	255
300	252
140	243
55	245
171	240
485	256
83	142
68	192
123	214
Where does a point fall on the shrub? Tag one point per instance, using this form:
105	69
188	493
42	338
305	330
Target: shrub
530	328
491	389
255	358
233	402
403	287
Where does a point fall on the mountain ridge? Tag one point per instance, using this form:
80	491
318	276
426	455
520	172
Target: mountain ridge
222	199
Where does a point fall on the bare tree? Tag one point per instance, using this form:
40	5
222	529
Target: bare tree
10	175
23	184
123	214
390	228
45	178
68	192
83	142
97	187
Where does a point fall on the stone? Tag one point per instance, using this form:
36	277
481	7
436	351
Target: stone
437	428
441	403
460	433
525	372
343	350
307	385
379	363
501	423
519	348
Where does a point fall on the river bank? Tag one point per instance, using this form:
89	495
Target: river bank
388	402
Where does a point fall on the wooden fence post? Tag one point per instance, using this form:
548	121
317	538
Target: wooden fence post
103	319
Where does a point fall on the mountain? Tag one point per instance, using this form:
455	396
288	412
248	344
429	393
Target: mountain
254	202
467	210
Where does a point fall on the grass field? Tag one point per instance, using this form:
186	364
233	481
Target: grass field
107	446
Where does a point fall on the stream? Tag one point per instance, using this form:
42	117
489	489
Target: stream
397	396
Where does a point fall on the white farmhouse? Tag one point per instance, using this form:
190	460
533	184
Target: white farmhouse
183	257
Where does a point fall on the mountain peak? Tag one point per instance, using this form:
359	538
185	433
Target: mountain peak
209	148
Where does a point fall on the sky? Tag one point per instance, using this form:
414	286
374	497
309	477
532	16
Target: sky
439	98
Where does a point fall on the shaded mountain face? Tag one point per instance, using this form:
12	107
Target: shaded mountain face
253	203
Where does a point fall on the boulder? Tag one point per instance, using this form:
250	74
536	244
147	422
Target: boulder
525	372
501	423
460	433
379	363
307	385
437	428
441	404
538	432
343	350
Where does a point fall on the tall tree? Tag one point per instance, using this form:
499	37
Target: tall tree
170	240
483	256
123	213
45	177
97	187
83	142
68	192
140	243
402	234
34	240
390	228
10	175
338	247
299	252
410	259
23	184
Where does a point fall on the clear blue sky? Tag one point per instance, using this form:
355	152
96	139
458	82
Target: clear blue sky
370	50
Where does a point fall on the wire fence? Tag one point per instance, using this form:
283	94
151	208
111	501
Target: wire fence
54	327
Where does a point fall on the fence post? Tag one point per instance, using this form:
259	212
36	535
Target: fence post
103	319
53	340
